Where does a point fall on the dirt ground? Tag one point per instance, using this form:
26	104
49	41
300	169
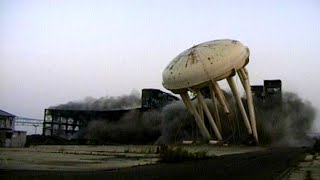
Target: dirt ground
265	163
84	158
307	169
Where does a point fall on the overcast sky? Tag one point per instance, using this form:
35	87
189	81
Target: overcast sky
52	52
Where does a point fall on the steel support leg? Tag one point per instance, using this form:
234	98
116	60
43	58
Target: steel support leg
210	118
215	109
200	110
247	88
204	132
220	96
240	104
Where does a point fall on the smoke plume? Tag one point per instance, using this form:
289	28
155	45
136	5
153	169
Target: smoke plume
286	122
104	103
282	121
134	127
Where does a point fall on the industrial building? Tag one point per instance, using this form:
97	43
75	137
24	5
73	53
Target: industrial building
8	136
271	89
69	123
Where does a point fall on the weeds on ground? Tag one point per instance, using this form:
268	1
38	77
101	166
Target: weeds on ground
61	149
178	154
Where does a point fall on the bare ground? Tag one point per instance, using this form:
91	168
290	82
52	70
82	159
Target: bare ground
266	164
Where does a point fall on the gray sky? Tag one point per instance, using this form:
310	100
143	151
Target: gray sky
52	52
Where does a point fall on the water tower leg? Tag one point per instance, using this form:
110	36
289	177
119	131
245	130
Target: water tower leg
187	101
215	109
241	79
247	88
210	118
200	110
220	96
240	104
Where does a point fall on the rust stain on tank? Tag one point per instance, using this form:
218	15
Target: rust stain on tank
192	58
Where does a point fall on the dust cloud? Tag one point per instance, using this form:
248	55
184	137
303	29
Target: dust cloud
285	121
130	101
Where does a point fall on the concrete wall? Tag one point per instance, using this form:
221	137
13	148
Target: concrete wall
13	138
19	139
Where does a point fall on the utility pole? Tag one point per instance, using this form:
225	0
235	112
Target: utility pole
35	126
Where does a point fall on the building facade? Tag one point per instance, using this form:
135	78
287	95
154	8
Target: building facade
8	136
